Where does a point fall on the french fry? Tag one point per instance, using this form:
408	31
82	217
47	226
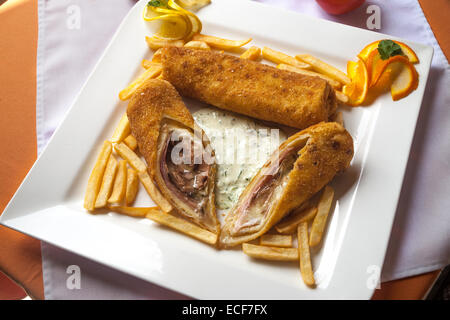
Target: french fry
304	254
135	212
339	118
320	219
131	142
342	97
156	60
146	63
219	43
122	130
156	43
149	63
107	183
270	253
280	57
325	68
120	183
152	72
335	84
132	186
182	226
157	56
290	223
132	158
197	45
253	53
95	179
153	192
276	240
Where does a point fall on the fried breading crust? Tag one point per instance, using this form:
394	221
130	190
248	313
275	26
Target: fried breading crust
248	87
147	107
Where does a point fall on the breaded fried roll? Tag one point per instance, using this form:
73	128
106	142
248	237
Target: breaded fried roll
302	166
164	130
248	87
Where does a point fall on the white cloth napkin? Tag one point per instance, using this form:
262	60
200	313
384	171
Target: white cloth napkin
72	36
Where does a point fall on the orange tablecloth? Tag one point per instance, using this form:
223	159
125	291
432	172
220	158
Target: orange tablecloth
20	256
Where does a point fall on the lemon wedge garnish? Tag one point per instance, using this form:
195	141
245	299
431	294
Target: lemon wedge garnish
196	23
174	24
194	4
175	28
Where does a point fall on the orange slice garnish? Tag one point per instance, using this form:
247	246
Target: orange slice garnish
405	82
407	51
397	74
357	89
364	54
372	61
381	65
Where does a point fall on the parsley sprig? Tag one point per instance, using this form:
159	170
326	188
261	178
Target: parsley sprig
388	48
157	3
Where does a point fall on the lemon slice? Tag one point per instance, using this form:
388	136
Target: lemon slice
161	17
196	23
150	13
176	22
175	28
194	4
175	25
163	10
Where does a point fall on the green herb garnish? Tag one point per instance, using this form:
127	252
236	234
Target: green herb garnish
388	48
157	3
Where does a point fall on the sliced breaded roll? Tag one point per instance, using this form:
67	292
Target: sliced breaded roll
248	87
164	130
301	166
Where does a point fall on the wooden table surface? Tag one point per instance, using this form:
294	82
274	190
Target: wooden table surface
21	259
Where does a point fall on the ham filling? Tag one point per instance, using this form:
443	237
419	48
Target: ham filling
186	179
265	192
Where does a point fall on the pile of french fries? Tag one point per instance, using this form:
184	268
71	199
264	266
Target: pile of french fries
111	182
114	184
279	246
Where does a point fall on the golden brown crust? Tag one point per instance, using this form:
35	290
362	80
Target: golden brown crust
147	107
328	151
248	87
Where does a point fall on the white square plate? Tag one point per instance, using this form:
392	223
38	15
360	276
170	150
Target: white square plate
48	204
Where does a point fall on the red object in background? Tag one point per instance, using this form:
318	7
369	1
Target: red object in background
339	6
9	290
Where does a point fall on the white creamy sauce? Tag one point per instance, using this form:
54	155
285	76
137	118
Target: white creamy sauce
241	147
